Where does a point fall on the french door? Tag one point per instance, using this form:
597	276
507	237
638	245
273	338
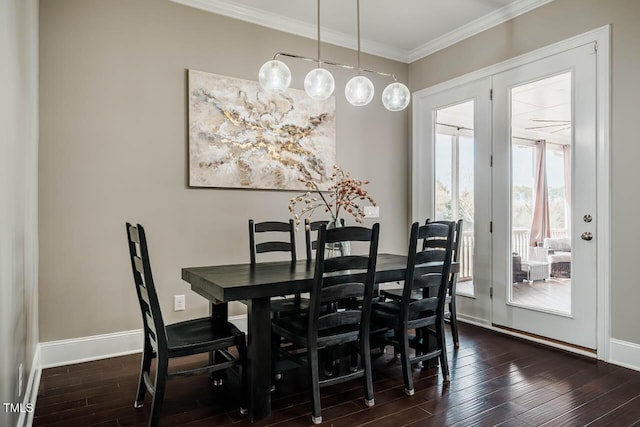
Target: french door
451	170
544	198
513	154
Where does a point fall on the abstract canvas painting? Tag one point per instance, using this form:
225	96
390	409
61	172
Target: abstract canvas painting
243	137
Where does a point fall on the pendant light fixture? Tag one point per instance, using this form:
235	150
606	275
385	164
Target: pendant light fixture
359	90
319	83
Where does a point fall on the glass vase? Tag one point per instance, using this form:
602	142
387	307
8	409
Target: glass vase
337	249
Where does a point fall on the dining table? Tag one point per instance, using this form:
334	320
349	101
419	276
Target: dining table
255	285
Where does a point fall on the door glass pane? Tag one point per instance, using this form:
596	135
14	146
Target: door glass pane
455	181
540	194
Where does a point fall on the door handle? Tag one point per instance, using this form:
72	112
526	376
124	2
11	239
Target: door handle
587	235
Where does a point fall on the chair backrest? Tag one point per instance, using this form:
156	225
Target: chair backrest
437	248
154	332
455	254
313	227
277	227
343	278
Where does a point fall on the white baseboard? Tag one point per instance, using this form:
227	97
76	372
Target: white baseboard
31	392
477	321
484	324
624	353
86	349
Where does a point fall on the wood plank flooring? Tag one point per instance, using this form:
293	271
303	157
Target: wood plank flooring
496	380
553	294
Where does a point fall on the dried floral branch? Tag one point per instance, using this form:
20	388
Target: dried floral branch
344	194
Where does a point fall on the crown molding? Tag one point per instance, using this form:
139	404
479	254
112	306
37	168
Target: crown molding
304	29
296	27
474	27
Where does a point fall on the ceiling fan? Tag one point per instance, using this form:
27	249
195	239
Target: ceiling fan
564	124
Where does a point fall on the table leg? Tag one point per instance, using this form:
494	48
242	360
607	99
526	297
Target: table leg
431	341
219	313
259	360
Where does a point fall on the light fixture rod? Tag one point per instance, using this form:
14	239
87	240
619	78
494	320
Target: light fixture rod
358	27
337	64
319	61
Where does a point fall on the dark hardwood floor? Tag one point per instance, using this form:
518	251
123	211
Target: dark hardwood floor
496	380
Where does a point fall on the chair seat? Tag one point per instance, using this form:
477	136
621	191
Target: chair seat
396	294
388	314
295	328
193	336
289	305
559	257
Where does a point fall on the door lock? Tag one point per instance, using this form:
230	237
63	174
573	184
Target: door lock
587	235
587	218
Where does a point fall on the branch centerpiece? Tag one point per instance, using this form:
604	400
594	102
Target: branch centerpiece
345	195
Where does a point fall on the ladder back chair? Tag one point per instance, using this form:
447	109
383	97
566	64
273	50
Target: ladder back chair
283	244
164	342
450	316
426	314
311	227
335	279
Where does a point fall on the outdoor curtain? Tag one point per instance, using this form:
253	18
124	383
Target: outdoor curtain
566	151
540	227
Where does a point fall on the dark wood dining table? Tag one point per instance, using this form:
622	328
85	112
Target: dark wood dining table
254	285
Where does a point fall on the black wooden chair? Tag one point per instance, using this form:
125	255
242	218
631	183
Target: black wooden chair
179	339
335	279
450	316
293	303
426	314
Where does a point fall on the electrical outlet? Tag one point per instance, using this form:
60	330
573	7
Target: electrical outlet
20	379
178	303
371	211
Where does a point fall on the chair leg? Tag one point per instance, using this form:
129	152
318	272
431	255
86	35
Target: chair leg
329	354
353	364
316	416
217	376
405	362
275	346
365	355
158	395
444	365
244	378
145	365
453	320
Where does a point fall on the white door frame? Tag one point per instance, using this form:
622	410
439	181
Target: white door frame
601	36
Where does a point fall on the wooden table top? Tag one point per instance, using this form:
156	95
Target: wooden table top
267	279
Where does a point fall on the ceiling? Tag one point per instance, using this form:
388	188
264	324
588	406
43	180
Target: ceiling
402	30
539	110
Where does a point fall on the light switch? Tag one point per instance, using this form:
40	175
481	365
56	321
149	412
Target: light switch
371	211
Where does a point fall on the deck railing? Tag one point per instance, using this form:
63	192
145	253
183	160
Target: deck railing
519	244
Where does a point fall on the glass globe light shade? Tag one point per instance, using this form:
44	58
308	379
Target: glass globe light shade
359	91
319	84
396	97
274	76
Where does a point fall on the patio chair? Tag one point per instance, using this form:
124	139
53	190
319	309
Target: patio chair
559	256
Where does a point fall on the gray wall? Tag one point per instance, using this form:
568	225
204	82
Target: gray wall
548	24
113	149
18	196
